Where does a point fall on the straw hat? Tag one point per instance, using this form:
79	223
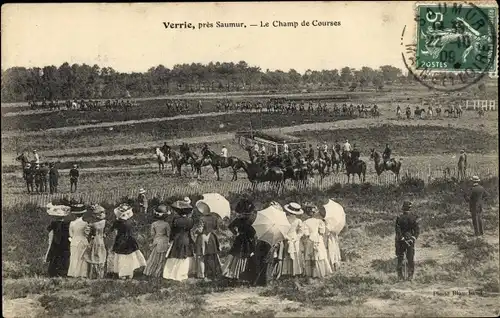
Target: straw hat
475	179
407	206
142	191
187	200
293	208
58	210
161	211
123	212
182	206
78	209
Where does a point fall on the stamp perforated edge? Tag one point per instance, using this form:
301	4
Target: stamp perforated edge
492	73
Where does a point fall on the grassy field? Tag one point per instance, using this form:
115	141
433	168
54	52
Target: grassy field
408	140
448	258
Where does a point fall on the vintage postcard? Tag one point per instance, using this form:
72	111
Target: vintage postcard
237	159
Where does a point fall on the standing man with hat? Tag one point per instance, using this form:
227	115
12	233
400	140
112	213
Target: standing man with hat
476	198
53	178
44	172
142	201
407	232
29	177
74	174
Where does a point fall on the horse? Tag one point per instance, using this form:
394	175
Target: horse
23	159
161	158
256	174
355	167
219	162
381	166
318	164
335	160
344	158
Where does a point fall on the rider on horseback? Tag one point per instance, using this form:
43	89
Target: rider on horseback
387	156
224	155
310	153
165	148
355	154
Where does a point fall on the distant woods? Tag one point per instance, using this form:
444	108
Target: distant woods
85	81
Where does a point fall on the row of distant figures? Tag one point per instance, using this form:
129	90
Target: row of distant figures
243	186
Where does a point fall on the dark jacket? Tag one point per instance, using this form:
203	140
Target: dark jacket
74	173
406	225
125	242
28	174
59	251
477	196
182	242
244	242
54	175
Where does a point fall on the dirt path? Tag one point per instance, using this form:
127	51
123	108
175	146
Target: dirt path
109	124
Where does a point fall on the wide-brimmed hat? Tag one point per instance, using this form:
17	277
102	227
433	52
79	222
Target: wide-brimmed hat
407	206
187	200
78	208
244	206
293	208
75	165
58	210
98	211
142	191
182	205
462	151
475	179
123	211
161	211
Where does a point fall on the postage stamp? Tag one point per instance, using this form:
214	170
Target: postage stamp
457	37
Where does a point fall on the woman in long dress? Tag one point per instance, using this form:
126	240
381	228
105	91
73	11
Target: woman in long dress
96	252
207	243
293	264
127	256
238	260
180	258
58	254
160	231
332	244
315	255
78	232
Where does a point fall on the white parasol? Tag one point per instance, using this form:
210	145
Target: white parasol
335	216
216	203
271	225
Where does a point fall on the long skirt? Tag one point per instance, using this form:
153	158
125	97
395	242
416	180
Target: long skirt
316	262
333	250
179	268
78	266
209	266
125	264
156	263
95	256
293	263
235	266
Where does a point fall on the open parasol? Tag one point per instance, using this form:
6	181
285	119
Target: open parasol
215	203
335	216
271	225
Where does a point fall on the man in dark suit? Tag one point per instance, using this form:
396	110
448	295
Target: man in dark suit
53	178
476	198
407	232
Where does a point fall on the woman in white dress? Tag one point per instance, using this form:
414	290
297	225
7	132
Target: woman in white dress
332	243
293	264
78	231
315	255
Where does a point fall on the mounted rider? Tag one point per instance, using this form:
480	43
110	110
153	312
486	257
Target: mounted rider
285	147
223	154
37	157
355	154
386	156
165	148
256	148
337	146
29	177
310	153
325	149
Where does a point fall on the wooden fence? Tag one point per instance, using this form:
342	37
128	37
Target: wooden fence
240	186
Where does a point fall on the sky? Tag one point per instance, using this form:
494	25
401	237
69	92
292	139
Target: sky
132	37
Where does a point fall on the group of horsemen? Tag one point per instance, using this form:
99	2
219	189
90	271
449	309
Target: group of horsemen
287	106
345	154
89	104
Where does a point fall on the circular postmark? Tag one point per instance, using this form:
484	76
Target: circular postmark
452	45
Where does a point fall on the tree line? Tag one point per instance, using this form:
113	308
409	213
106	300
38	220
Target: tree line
84	81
